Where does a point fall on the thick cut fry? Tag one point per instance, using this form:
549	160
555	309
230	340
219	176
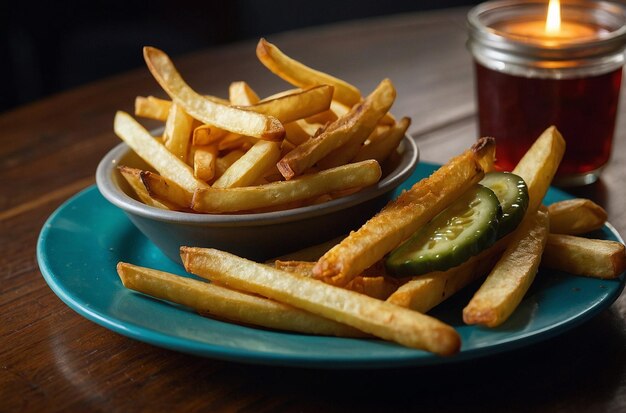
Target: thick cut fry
511	277
539	164
216	301
576	216
206	135
380	149
403	216
152	108
241	94
297	105
250	166
426	291
296	135
224	162
283	192
583	256
204	160
303	76
206	110
358	123
234	141
165	190
154	153
178	131
133	177
367	314
379	286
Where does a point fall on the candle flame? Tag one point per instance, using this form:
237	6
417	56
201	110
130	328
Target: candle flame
553	20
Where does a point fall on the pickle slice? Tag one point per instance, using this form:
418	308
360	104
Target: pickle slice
512	193
462	230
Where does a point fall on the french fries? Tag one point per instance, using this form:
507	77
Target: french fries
165	190
538	166
206	110
157	155
247	142
424	292
133	177
219	200
216	301
297	105
512	275
402	217
247	169
356	124
583	256
152	108
178	131
300	75
367	314
576	216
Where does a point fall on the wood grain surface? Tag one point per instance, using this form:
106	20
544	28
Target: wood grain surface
53	360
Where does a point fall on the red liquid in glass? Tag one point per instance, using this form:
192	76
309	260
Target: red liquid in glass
516	110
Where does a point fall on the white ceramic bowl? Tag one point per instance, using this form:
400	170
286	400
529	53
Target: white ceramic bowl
255	236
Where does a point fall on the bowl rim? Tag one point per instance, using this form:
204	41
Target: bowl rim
114	194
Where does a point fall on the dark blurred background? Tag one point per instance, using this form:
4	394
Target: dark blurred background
50	46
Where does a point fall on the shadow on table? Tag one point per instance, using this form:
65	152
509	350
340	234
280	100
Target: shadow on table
569	370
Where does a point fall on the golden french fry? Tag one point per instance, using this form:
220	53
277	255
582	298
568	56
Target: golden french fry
283	192
241	94
582	256
539	164
206	135
165	190
178	131
204	160
215	301
375	286
381	148
152	108
250	166
234	141
295	134
358	123
133	177
224	162
403	216
206	110
367	314
576	216
508	281
298	105
327	116
303	76
154	153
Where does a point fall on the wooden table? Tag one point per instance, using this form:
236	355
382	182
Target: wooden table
52	359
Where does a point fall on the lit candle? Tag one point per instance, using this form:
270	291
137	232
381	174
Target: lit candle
552	28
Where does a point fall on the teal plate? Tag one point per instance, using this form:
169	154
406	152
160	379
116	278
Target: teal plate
83	240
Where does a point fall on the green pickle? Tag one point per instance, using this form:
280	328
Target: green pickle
461	231
512	193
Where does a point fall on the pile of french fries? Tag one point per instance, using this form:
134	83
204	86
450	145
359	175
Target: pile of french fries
244	154
341	288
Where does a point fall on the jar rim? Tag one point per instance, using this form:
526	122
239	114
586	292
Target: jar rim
611	17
